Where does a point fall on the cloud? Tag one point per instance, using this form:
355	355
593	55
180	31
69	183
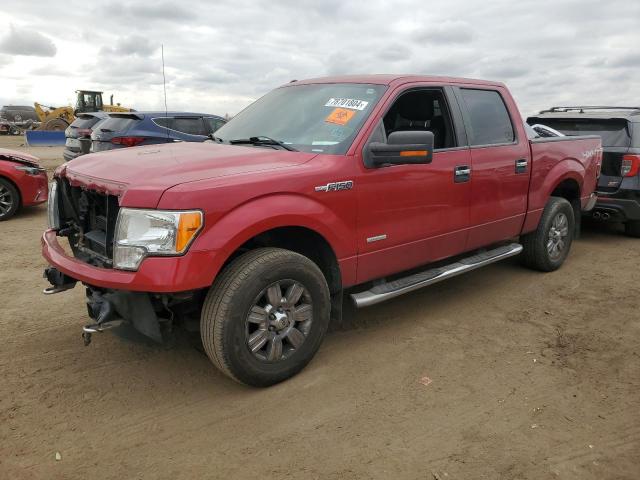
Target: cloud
51	70
221	56
27	42
449	31
131	45
628	60
394	53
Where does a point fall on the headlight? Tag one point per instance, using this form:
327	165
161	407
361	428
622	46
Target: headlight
30	170
143	233
52	206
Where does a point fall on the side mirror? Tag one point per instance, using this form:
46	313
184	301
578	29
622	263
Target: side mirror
408	147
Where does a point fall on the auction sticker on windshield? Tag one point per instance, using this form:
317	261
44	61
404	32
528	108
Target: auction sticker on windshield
340	116
347	103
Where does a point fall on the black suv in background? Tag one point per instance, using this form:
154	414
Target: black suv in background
619	185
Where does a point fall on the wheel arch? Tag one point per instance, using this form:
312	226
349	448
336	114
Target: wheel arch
564	180
299	239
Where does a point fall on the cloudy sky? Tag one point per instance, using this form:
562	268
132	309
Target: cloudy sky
221	55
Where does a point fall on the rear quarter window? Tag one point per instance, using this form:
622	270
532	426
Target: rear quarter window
188	125
489	119
635	136
118	124
83	121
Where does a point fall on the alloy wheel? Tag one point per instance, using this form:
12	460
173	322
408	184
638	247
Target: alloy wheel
279	321
557	239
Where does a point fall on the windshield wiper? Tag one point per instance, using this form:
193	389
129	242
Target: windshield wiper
261	140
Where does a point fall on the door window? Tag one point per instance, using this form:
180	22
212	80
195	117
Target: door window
422	110
489	121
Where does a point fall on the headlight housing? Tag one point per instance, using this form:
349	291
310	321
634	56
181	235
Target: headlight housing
143	233
52	206
30	170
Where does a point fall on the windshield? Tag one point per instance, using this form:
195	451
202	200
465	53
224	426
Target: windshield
321	118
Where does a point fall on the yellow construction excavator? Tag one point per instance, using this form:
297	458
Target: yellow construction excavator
59	118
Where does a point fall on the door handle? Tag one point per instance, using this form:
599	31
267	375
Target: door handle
521	165
461	173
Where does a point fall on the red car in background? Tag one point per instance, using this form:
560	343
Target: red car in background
23	182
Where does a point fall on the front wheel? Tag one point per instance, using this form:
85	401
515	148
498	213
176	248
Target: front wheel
9	200
547	247
265	316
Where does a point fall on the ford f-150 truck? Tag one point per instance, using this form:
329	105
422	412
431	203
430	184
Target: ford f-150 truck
376	184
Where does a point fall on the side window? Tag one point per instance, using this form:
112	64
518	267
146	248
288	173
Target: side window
189	125
490	123
422	110
162	122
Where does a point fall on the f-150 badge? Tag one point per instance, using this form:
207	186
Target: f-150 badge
335	186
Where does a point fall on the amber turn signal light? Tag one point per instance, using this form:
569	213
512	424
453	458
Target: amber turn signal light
188	225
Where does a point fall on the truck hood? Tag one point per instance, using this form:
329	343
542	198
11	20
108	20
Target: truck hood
142	174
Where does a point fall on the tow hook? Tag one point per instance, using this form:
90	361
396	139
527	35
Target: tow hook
92	328
58	280
103	312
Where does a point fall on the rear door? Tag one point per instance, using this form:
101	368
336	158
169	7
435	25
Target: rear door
500	165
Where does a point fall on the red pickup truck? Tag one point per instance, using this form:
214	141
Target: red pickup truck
377	184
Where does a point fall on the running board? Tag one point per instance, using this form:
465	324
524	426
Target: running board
395	288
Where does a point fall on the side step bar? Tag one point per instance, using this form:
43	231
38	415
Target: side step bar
395	288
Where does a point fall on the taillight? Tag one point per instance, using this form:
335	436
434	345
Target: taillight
127	141
630	165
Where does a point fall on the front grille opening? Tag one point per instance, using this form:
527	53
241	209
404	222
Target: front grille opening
90	217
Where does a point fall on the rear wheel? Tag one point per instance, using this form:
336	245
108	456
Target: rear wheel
9	200
265	316
547	247
632	228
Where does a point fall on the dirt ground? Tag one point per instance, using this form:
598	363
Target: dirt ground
532	376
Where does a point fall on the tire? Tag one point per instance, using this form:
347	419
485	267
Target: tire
632	228
547	247
247	327
9	200
55	124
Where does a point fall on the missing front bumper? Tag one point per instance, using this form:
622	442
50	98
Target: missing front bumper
118	308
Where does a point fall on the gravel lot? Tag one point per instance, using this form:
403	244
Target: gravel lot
500	374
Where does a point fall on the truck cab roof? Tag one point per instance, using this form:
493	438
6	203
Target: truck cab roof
392	79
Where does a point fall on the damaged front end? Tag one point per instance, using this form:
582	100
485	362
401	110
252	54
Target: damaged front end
111	309
87	218
155	316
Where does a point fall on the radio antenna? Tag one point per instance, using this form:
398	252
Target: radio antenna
164	80
164	87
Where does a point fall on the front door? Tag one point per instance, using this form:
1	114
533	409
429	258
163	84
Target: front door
410	215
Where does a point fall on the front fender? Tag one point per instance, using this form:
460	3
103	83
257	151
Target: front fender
227	233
